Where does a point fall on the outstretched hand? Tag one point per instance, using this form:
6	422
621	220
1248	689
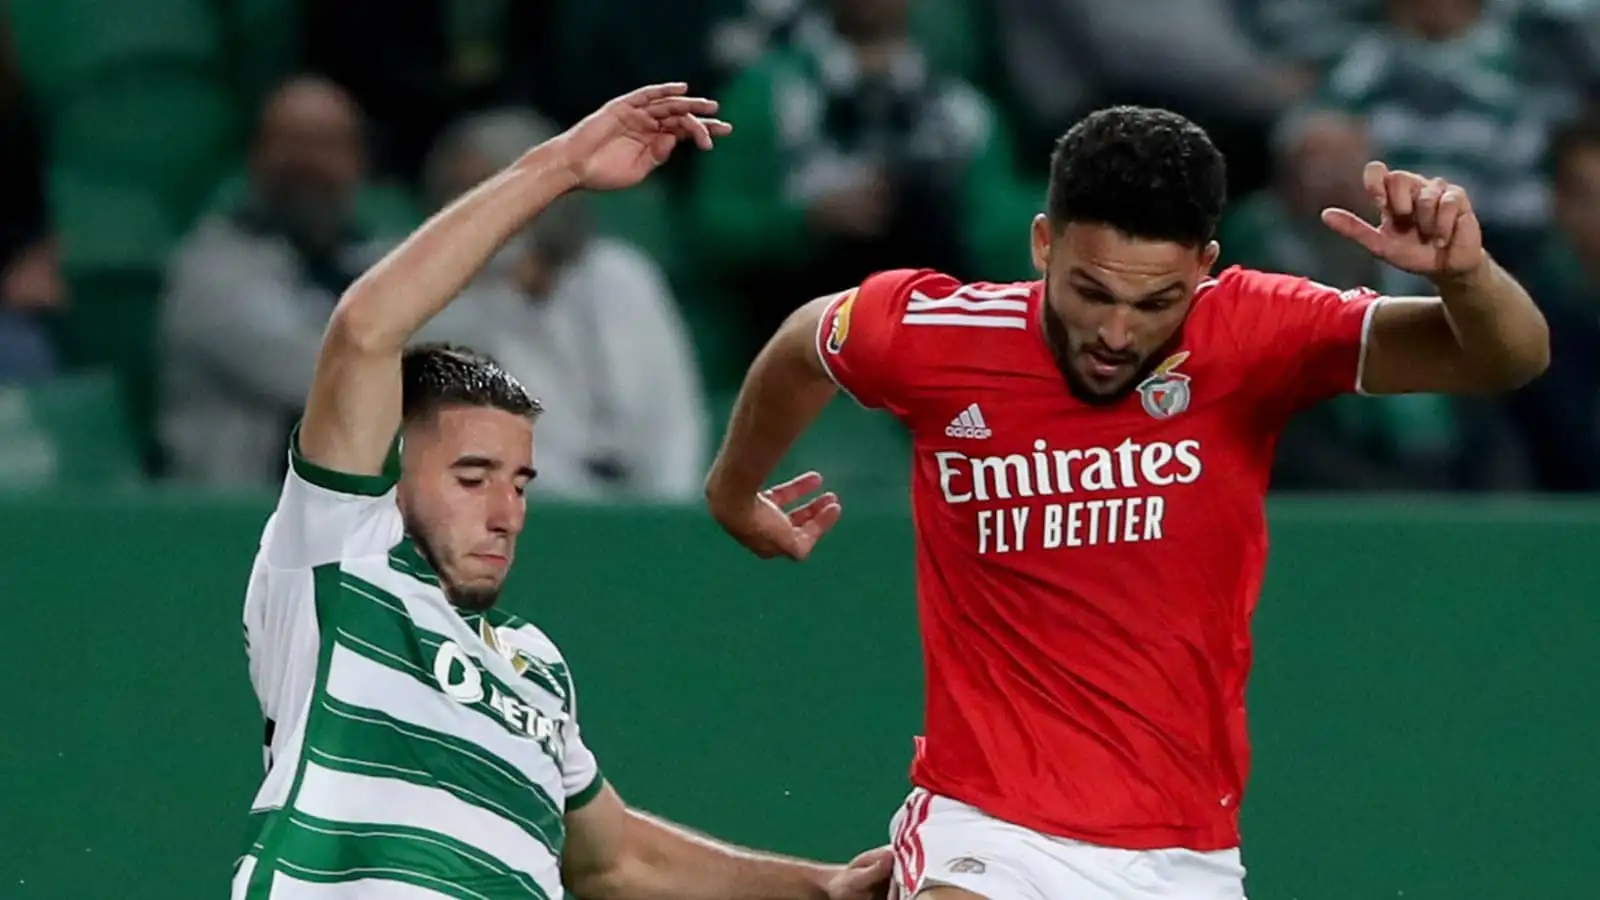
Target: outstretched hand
1426	225
763	525
620	143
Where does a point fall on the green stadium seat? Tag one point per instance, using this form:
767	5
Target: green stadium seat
170	129
68	432
108	225
62	45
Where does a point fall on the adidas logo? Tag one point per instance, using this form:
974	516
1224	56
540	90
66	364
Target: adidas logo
969	424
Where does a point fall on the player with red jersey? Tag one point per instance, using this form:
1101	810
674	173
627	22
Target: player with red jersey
1091	453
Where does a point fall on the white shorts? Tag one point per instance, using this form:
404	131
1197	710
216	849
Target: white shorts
939	841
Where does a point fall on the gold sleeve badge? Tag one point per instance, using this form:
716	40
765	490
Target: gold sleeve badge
839	331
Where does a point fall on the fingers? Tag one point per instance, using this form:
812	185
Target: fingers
1452	208
812	508
793	489
653	92
672	107
1375	178
807	535
1351	226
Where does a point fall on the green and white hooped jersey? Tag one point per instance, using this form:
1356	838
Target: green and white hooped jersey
412	751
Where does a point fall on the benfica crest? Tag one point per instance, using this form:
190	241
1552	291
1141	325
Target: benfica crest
1165	393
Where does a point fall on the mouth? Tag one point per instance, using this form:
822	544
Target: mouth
496	560
1106	366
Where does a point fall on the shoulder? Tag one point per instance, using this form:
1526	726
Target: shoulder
521	635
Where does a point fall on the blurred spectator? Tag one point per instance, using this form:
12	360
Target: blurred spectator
250	291
30	276
1440	89
1560	413
416	65
1310	34
1351	442
588	323
1063	58
851	155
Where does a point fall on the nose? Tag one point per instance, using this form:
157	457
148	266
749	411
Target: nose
506	512
1115	333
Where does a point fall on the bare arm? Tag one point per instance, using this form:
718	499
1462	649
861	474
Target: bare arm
1483	334
617	853
783	393
353	411
354	408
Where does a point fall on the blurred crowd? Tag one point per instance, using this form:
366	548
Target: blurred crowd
190	184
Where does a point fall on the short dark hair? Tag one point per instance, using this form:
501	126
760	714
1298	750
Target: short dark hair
438	375
1569	139
1148	173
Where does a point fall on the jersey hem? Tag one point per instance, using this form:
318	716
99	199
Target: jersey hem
335	481
581	799
1200	839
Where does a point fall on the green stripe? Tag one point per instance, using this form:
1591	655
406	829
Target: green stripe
319	850
367	742
581	799
379	618
330	480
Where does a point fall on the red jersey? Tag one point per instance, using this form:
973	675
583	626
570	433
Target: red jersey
1086	574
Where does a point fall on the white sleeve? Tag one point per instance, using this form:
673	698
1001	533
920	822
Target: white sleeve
580	771
322	517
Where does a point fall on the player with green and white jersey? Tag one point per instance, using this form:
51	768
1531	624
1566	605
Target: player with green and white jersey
419	742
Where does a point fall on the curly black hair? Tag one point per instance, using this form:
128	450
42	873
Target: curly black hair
1148	173
438	375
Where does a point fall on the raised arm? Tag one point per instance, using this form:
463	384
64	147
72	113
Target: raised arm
353	411
1482	334
617	853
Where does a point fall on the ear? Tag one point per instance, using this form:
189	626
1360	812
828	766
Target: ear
1208	257
1041	243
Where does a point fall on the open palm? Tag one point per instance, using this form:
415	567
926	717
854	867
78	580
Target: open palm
619	144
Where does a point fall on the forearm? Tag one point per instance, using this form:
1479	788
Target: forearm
420	277
784	392
671	863
1502	334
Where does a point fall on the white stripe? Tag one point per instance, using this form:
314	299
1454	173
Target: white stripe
354	679
919	303
241	878
964	418
287	887
1366	334
960	319
429	609
342	797
972	290
977	416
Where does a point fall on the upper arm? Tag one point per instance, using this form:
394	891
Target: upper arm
353	411
596	844
1413	349
859	335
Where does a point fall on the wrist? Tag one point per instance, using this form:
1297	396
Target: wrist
822	878
551	165
1475	278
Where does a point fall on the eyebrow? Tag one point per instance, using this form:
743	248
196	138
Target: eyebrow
484	462
1083	275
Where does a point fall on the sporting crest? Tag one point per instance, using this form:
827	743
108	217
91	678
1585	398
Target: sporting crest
1165	393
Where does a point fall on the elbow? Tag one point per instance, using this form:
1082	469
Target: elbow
1530	357
356	325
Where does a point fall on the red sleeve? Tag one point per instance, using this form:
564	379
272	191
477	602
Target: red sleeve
1306	339
859	338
